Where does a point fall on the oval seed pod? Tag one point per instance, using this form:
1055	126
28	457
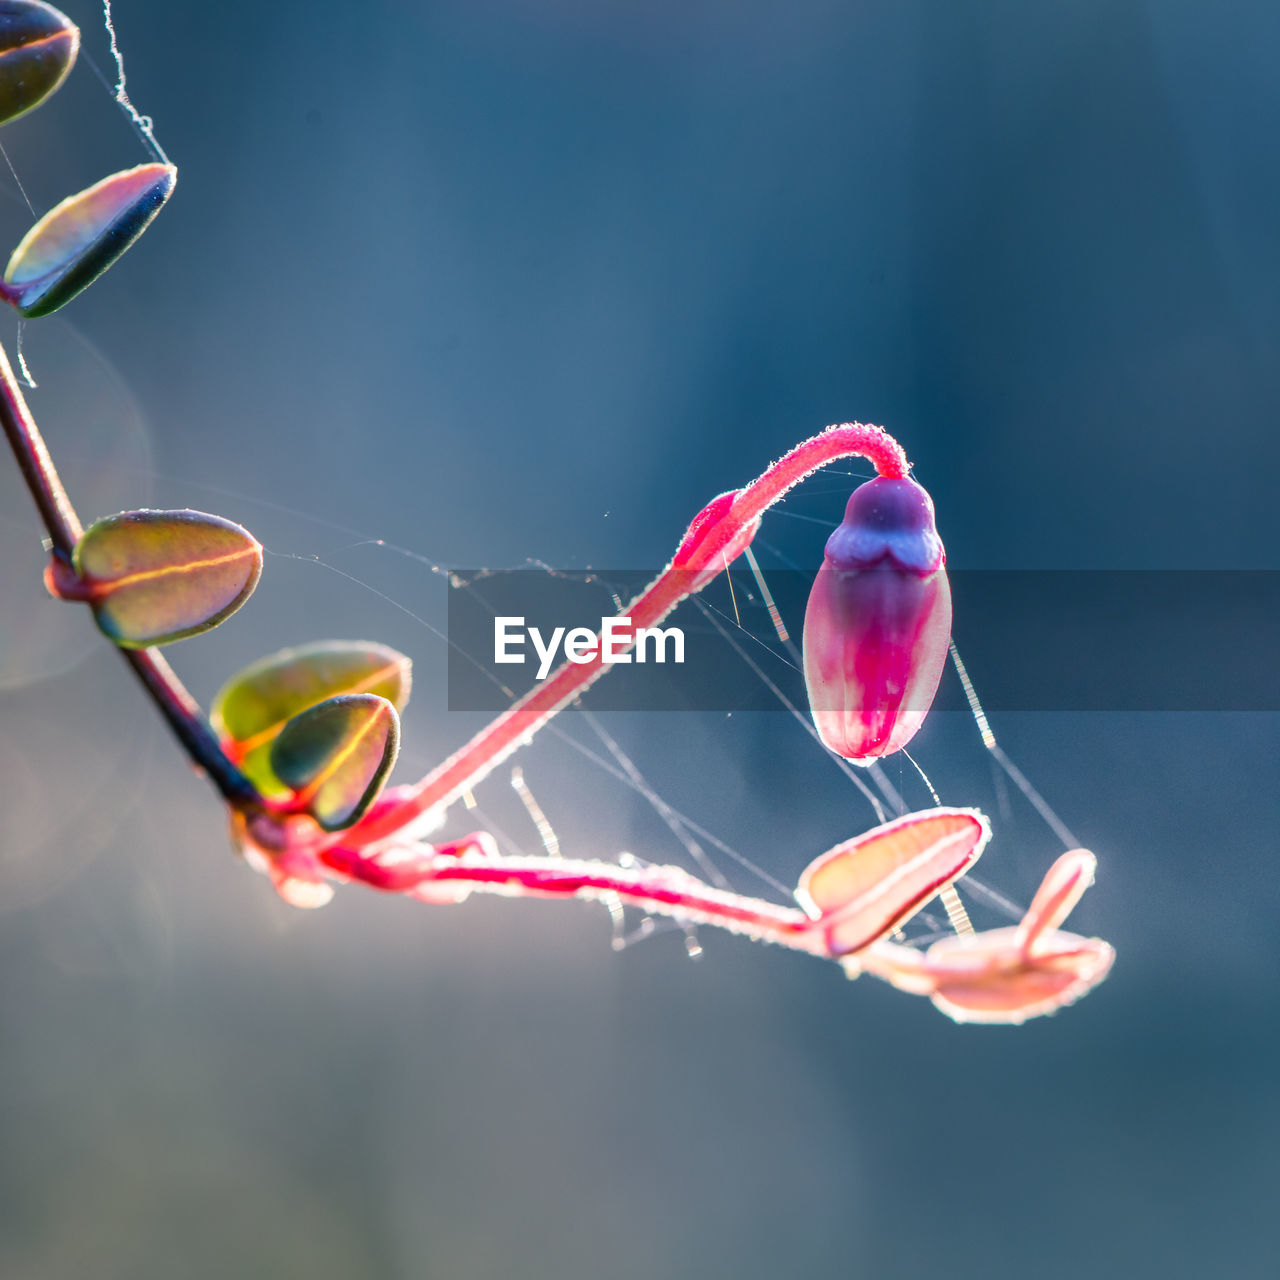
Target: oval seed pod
878	622
77	240
152	577
38	47
336	755
250	710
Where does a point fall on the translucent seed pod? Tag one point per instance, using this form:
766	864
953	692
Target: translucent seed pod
878	622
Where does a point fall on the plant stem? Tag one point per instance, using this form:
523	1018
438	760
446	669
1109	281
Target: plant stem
720	533
37	467
657	890
177	706
193	731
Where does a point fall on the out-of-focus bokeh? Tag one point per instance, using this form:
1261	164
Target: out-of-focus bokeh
509	280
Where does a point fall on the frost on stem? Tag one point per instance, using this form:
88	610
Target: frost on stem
856	893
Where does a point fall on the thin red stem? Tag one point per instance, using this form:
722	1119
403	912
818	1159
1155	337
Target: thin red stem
657	890
177	706
37	467
719	534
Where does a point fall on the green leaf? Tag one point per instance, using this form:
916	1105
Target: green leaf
153	577
251	708
336	755
38	47
75	242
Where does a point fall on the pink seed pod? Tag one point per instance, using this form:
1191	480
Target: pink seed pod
878	622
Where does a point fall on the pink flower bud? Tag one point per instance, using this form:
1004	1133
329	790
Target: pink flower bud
878	622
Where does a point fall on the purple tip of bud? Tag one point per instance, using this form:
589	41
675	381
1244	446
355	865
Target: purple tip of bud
887	521
878	623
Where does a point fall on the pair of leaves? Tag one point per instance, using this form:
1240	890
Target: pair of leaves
75	242
317	726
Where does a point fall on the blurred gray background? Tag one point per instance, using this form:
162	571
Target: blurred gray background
500	280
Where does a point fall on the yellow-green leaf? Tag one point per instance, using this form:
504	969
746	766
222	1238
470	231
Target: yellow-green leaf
38	47
251	708
336	755
153	577
77	240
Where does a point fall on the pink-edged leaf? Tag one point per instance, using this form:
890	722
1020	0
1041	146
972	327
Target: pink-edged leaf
152	577
864	888
336	756
38	46
77	240
1005	976
1062	887
985	977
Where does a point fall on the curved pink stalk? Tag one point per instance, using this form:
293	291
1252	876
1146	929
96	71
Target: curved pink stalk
720	532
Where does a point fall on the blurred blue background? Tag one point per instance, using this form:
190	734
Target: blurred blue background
500	280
